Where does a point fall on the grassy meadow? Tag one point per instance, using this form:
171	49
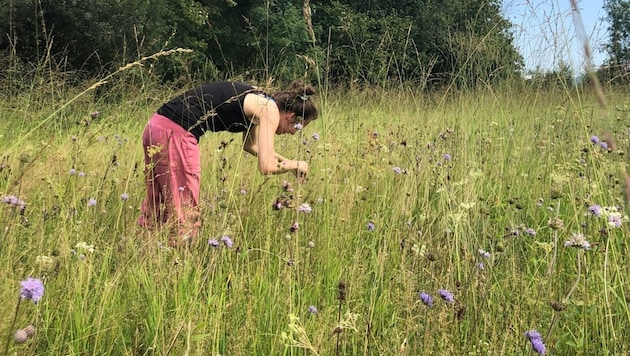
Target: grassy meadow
482	194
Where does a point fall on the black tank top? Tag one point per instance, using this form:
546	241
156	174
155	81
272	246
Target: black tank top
211	107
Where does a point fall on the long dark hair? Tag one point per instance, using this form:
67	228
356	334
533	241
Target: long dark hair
298	99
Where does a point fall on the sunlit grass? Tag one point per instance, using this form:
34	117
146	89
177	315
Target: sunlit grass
437	177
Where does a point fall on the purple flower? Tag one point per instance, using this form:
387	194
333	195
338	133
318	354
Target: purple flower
536	340
614	221
603	145
426	299
72	171
33	289
315	136
91	202
446	295
304	208
181	189
124	196
295	227
13	200
529	231
227	241
213	243
577	240
81	174
397	170
484	254
595	210
447	157
298	126
370	226
594	139
480	266
312	309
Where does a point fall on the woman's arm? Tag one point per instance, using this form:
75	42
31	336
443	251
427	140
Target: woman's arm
259	140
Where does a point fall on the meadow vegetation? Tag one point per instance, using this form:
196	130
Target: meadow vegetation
507	199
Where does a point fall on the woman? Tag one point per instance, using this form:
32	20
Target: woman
171	151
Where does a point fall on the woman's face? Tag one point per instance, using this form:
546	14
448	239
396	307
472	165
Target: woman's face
290	123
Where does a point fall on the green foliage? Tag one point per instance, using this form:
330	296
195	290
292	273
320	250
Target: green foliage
420	41
618	47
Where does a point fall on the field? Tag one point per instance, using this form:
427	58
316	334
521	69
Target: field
507	199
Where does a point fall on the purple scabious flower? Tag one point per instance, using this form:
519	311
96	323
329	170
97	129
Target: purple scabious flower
72	171
594	140
370	226
426	299
32	288
614	221
315	136
484	254
595	210
529	231
305	208
227	241
603	145
577	240
447	157
536	341
312	309
295	227
124	196
91	202
213	243
397	170
480	266
298	126
446	295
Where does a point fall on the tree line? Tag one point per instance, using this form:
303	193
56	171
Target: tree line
466	42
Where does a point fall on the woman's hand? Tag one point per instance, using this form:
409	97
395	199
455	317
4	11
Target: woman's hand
301	171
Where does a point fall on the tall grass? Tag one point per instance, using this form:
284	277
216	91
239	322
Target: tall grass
405	189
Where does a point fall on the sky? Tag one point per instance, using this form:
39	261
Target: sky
545	32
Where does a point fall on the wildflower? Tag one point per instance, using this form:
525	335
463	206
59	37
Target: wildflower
397	170
83	246
594	140
286	186
536	340
311	244
72	171
213	243
484	254
243	192
603	145
312	309
295	227
446	295
227	241
181	189
577	240
304	208
529	231
614	221
315	136
81	174
426	299
32	288
20	336
480	266
595	210
298	126
370	226
555	224
91	202
94	114
447	157
13	200
124	196
277	205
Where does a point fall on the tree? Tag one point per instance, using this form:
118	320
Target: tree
618	47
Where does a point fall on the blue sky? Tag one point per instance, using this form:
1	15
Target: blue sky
545	32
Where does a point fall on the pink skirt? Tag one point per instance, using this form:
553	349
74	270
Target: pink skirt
172	174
